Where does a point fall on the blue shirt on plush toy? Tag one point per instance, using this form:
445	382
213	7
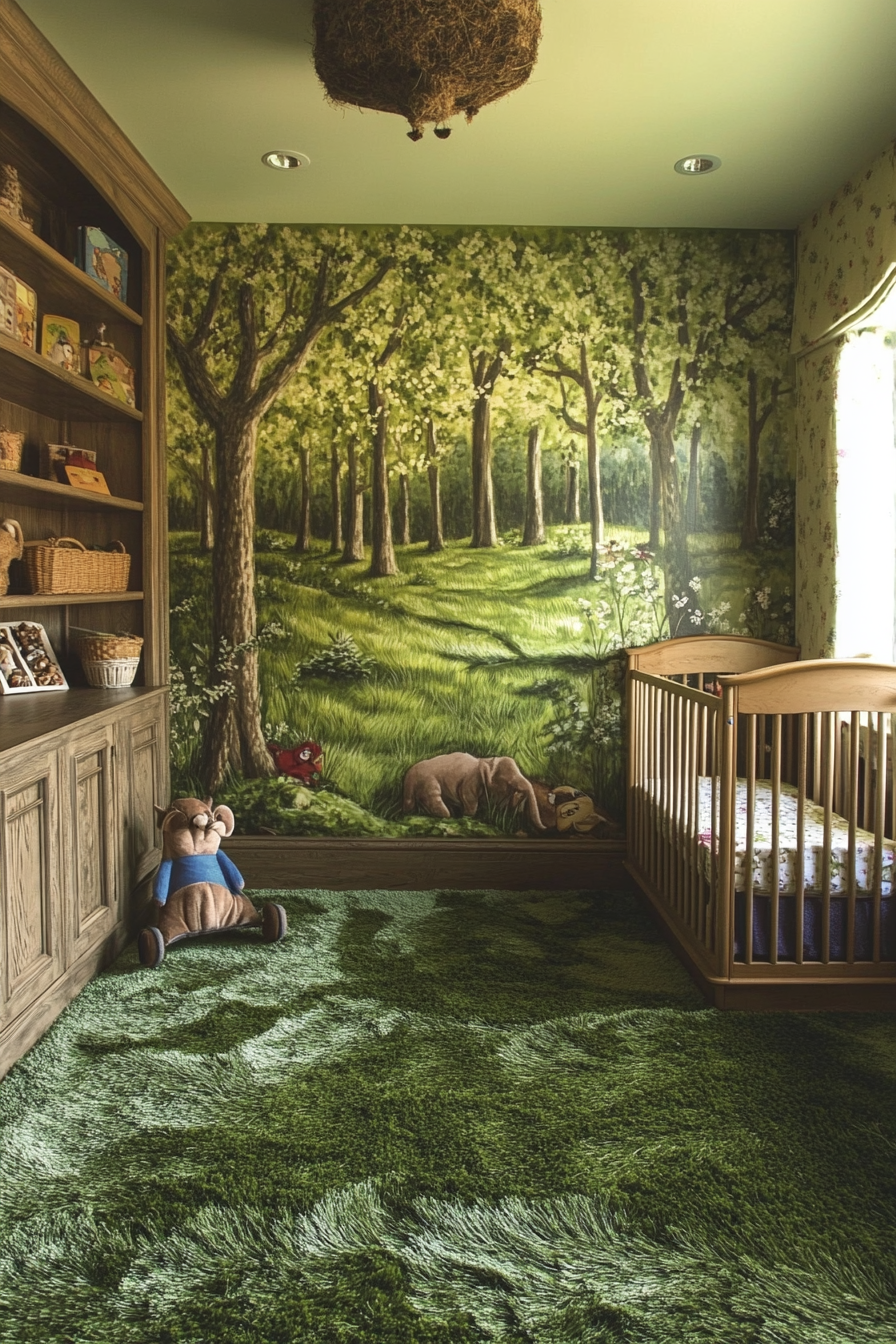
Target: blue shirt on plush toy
182	872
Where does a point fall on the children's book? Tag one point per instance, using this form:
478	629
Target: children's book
100	257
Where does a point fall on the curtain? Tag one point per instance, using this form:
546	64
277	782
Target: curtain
816	501
846	265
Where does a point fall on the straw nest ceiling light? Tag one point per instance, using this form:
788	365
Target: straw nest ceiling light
426	60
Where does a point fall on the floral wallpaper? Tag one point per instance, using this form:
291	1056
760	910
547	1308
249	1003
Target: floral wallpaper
816	501
846	252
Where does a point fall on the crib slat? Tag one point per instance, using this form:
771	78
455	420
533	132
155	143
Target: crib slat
776	836
880	802
750	752
677	833
869	748
828	789
802	773
852	816
727	750
816	759
692	819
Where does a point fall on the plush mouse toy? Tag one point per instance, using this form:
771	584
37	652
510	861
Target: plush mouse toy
197	888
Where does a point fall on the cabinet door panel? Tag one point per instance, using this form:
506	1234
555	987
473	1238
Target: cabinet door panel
93	899
143	780
29	892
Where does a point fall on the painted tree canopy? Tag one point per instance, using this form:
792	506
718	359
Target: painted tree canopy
604	415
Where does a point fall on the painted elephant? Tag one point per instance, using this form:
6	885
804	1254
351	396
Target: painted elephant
463	781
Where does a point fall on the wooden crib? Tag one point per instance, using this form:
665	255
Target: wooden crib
761	794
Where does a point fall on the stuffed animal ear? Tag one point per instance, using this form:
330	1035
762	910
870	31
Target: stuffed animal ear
161	814
224	814
209	803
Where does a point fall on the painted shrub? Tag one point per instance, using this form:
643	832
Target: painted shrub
426	484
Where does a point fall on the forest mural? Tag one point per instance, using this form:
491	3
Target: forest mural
425	484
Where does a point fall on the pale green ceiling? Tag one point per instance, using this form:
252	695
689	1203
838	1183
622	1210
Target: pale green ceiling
793	95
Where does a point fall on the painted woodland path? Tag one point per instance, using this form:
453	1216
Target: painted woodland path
445	1118
484	651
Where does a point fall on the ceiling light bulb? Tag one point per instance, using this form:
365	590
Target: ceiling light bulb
694	165
285	159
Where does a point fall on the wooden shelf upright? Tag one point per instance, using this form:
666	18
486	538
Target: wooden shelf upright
80	769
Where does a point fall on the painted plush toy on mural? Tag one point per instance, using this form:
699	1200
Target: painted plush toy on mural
569	811
198	889
465	782
304	762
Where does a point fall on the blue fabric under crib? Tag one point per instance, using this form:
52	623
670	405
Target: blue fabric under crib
812	928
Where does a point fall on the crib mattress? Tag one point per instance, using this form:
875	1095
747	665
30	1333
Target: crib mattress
763	877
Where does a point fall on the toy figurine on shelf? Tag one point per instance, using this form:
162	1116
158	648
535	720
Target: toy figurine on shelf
197	888
11	196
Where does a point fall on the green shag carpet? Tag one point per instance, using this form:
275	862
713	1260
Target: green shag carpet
441	1118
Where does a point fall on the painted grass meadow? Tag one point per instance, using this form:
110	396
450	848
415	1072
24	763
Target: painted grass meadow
508	651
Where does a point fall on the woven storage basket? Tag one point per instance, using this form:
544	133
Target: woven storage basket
109	660
110	672
64	565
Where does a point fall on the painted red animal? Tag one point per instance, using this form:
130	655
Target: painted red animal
304	762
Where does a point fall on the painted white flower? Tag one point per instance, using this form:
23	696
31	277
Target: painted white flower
695	584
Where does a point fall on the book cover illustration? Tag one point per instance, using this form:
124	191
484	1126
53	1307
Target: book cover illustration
26	313
55	457
60	341
7	303
112	373
100	257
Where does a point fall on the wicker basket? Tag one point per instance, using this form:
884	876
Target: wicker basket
12	441
108	660
64	565
110	672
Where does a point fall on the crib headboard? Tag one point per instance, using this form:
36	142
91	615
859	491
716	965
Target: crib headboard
819	685
709	653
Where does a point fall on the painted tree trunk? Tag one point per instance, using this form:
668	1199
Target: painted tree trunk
436	533
595	500
382	559
234	740
533	530
692	508
206	504
750	528
485	530
656	499
354	533
335	500
403	528
571	511
676	562
303	533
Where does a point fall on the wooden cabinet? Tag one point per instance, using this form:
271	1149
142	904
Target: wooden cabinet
80	769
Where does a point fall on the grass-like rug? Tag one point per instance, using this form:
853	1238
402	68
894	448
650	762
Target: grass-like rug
445	1117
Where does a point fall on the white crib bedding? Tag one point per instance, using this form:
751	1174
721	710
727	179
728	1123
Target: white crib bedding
813	833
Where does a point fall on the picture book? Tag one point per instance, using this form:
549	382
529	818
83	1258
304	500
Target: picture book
100	257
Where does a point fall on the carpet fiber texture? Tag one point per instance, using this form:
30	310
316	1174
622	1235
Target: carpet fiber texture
442	1118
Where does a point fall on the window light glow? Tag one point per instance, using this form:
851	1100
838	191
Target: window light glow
866	493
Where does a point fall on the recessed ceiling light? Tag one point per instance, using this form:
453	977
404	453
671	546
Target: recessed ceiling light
285	159
697	164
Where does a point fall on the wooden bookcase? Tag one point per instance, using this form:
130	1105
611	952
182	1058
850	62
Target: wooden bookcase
79	769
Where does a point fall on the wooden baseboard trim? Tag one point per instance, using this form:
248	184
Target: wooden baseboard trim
286	862
25	1030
